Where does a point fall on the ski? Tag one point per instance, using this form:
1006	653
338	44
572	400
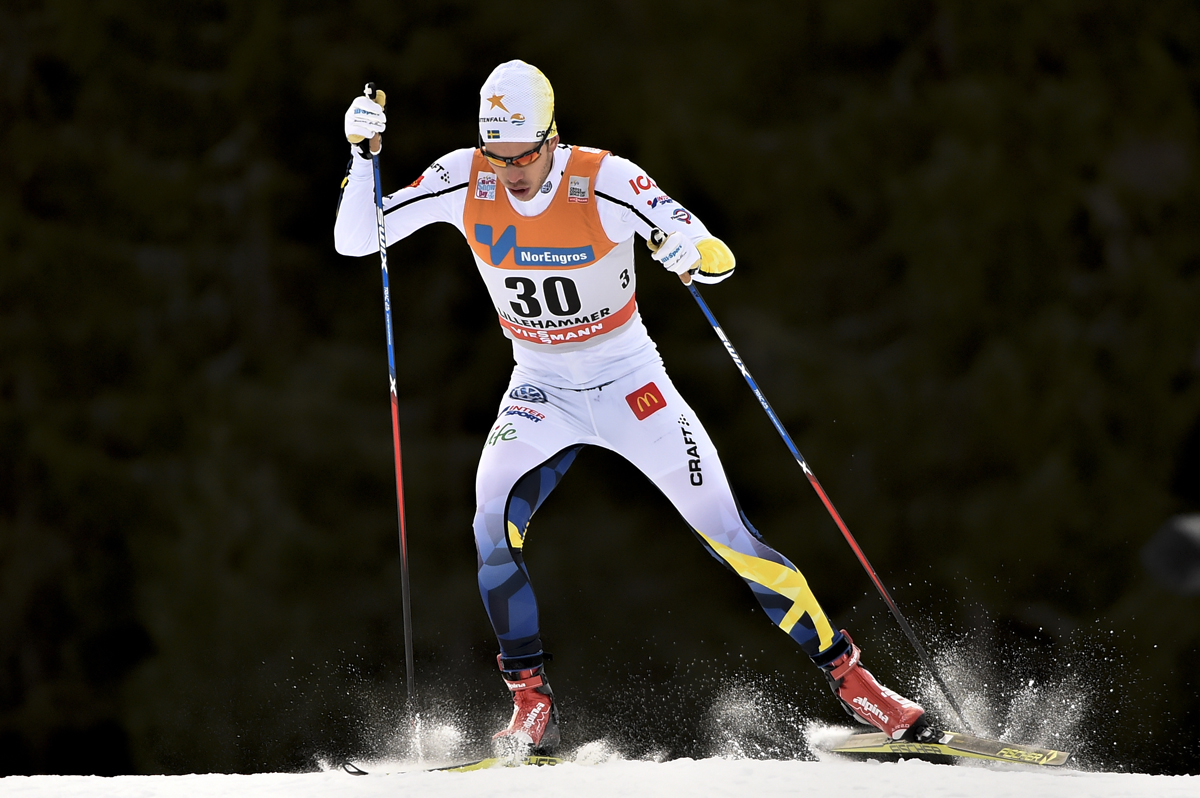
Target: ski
538	760
503	762
952	744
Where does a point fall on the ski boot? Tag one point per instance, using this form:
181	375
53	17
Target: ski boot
535	717
872	704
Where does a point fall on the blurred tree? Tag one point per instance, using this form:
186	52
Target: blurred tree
969	285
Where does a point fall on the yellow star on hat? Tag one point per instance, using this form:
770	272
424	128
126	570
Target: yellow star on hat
497	101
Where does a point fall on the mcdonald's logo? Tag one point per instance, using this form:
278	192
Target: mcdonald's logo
646	401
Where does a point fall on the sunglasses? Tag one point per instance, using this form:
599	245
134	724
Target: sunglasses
525	158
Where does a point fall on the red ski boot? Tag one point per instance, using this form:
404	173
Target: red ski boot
869	702
535	718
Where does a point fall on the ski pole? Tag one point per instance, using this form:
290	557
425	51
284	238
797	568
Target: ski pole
381	98
657	237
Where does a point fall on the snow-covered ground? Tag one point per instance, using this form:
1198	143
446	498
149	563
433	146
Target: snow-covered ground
753	750
720	778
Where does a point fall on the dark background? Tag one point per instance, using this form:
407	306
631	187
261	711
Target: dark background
969	248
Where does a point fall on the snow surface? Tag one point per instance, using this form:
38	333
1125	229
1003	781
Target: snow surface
755	753
720	778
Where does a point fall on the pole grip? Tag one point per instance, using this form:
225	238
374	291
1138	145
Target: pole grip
655	242
378	96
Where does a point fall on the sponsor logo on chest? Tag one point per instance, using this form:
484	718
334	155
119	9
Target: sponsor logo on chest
485	186
535	257
578	189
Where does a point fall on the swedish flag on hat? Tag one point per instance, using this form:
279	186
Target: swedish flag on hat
516	103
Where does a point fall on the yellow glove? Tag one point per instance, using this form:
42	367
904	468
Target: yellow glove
716	261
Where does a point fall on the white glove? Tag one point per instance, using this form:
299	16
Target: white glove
364	120
677	253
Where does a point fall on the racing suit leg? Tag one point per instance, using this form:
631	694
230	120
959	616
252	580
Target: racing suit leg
525	455
651	425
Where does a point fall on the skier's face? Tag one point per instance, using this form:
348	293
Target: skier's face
523	182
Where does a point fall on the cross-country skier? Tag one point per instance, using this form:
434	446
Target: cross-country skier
551	227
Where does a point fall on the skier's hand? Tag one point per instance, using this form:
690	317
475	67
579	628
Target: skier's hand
716	261
366	121
675	252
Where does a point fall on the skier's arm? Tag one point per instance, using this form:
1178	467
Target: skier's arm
630	202
436	196
354	231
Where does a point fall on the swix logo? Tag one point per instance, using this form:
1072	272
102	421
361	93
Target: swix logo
382	232
870	708
530	256
737	360
646	401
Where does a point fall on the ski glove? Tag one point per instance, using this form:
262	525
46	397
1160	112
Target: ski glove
364	120
677	253
716	261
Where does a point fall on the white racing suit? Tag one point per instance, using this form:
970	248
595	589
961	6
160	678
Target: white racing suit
560	271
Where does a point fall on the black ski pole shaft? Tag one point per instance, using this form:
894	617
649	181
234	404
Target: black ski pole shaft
406	603
657	237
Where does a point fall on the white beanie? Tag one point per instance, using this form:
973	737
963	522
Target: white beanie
516	103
